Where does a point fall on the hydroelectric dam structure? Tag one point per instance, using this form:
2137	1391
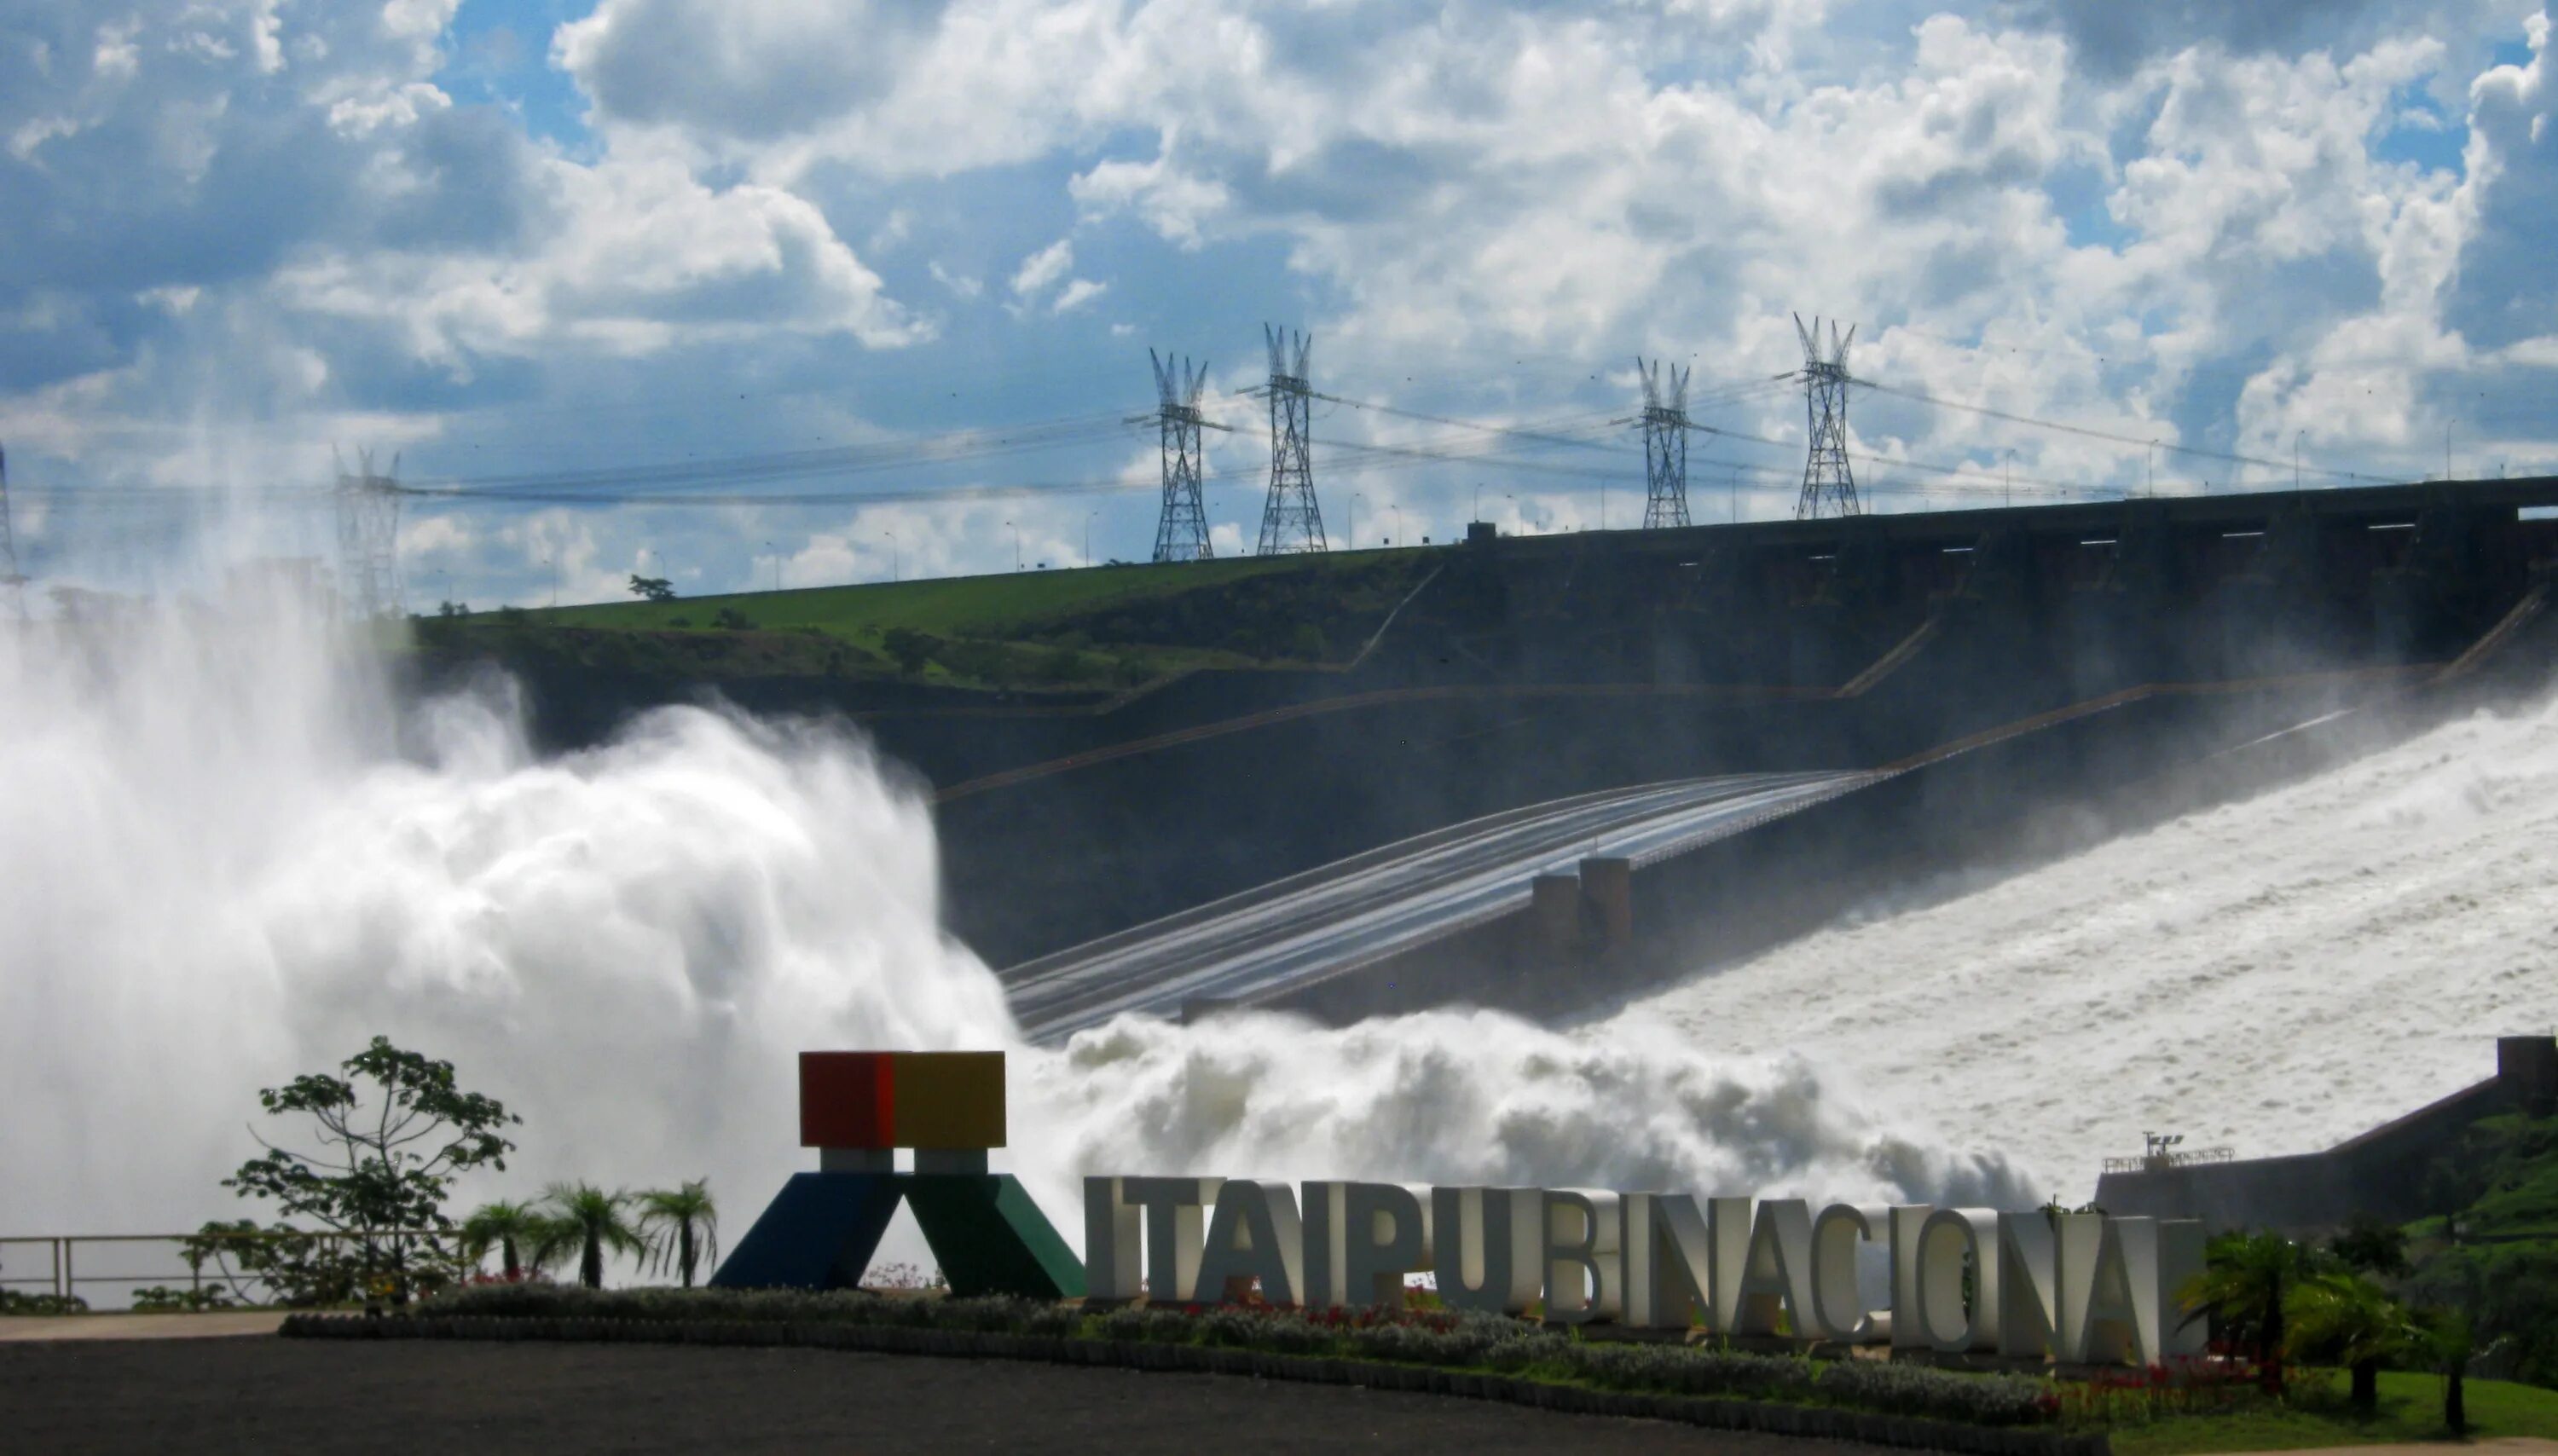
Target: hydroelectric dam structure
1567	766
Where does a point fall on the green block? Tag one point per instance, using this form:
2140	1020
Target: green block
990	1237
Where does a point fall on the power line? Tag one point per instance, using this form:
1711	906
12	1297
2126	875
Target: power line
2085	431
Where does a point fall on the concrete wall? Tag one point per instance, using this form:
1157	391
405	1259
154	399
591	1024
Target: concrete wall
2383	1173
1638	926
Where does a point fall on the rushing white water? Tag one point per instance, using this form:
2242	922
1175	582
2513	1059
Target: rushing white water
229	858
2274	975
220	871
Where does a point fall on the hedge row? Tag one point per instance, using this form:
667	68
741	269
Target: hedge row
1443	1340
1872	1428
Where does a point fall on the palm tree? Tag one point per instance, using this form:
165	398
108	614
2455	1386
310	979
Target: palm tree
2357	1323
2246	1278
681	1225
2452	1342
510	1227
584	1217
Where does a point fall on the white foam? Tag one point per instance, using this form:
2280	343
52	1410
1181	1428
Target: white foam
2274	975
230	859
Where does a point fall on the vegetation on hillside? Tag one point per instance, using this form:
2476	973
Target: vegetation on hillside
1105	628
2492	1253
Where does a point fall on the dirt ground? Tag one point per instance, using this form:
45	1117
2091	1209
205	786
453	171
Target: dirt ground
282	1397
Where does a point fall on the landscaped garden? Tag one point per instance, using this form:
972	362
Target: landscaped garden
2378	1334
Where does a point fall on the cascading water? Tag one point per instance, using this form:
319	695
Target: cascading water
230	856
2274	975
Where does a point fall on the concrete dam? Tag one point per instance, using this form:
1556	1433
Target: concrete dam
1572	765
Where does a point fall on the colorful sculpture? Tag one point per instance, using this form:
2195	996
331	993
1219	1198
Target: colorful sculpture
857	1108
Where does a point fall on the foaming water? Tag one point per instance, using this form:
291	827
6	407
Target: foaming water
1469	1097
2274	975
232	855
227	861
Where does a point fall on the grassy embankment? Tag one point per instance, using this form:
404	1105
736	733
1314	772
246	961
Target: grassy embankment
2495	1258
1112	626
2411	1410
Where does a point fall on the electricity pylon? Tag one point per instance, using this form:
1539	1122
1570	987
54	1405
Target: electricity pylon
1830	486
1291	519
1665	427
10	576
1181	532
367	508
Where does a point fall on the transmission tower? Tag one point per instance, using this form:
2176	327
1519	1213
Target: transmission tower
1290	520
1830	487
1181	532
10	576
368	506
1665	427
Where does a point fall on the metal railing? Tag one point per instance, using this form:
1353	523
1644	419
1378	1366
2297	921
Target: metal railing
2160	1162
201	1260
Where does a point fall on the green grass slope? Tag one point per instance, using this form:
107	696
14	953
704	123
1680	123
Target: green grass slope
1115	626
2411	1409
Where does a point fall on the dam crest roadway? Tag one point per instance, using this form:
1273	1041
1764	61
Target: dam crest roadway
1262	944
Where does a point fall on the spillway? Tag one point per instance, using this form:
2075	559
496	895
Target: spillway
2273	974
1352	913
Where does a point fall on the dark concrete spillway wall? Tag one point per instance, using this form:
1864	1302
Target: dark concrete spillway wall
1529	669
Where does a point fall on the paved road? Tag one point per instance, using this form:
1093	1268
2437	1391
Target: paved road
284	1397
1256	945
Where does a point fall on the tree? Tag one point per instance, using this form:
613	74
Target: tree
514	1229
2245	1281
652	588
2373	1246
912	649
2352	1321
585	1218
681	1225
2451	1340
393	1132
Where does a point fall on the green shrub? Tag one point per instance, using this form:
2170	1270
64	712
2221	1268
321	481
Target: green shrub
1438	1338
1158	1326
162	1300
1909	1390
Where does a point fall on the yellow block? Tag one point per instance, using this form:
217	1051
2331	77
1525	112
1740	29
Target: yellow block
948	1099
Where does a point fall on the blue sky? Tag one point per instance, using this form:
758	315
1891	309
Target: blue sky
529	238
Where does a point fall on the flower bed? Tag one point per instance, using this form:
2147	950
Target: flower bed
1488	1355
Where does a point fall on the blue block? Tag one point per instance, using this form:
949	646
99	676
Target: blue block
818	1233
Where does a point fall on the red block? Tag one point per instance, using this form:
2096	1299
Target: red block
847	1100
